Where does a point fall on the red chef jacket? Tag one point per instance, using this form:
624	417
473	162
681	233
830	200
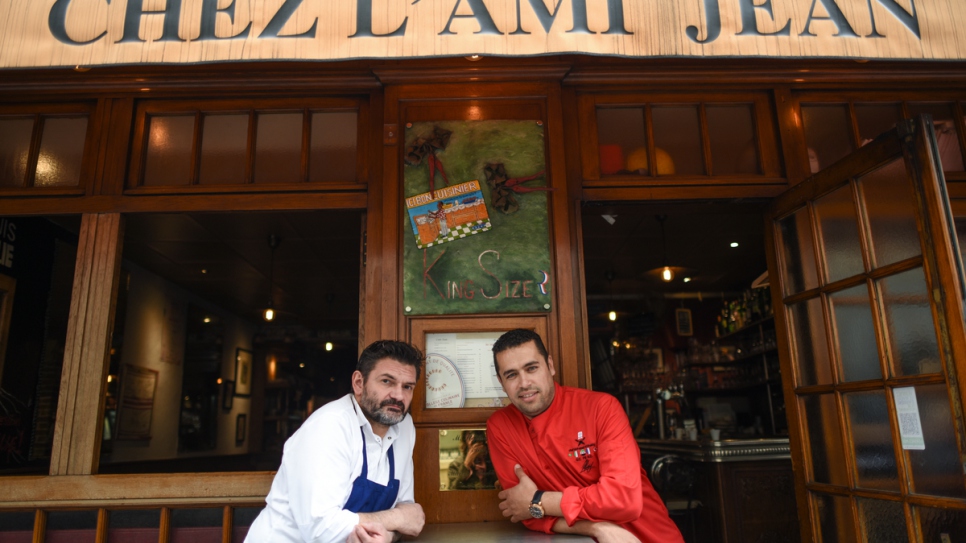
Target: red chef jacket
583	446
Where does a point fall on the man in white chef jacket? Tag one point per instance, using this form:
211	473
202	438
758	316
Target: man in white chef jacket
347	473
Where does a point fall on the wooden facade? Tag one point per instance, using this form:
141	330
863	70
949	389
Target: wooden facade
560	91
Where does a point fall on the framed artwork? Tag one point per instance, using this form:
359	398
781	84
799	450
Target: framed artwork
682	320
243	372
136	403
227	394
654	358
241	425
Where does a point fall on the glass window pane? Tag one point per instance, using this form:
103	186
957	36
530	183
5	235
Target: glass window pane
37	257
15	137
224	149
874	119
194	287
810	343
196	525
621	133
947	138
278	148
936	470
825	440
834	516
677	134
875	459
333	153
882	521
912	336
827	134
17	526
890	206
242	519
839	228
854	334
61	152
731	130
938	522
127	525
169	150
466	457
798	254
71	527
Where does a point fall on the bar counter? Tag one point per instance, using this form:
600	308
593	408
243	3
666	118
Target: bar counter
724	450
491	532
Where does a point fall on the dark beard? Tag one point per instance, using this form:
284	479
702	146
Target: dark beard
374	410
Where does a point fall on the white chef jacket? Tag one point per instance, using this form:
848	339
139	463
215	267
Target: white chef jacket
319	463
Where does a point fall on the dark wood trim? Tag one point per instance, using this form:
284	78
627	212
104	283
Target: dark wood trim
184	203
705	192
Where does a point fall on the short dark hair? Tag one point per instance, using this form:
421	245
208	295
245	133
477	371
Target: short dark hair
515	338
399	351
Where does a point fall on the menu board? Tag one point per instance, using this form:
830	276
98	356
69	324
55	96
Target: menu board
460	371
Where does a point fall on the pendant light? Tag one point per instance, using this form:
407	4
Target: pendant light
269	313
667	274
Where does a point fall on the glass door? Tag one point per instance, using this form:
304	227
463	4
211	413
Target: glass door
865	262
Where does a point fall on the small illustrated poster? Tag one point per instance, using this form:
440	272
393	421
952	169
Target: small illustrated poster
454	213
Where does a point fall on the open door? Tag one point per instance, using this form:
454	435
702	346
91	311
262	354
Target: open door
865	261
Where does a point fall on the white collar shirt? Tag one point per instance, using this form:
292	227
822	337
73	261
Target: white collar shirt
319	464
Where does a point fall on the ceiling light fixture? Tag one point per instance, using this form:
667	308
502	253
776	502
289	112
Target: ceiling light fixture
687	279
734	244
667	274
612	316
328	345
273	242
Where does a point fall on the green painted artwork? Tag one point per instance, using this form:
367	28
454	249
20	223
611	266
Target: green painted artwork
476	238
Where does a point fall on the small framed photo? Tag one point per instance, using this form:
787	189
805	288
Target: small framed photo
682	318
654	358
243	372
241	425
227	394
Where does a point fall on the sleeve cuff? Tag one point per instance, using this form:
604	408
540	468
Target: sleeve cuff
570	505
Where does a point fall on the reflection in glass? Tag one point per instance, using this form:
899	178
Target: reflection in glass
908	316
71	527
825	440
889	204
810	343
882	521
834	516
37	258
854	334
620	134
467	459
17	526
677	132
332	156
241	520
731	131
875	459
936	522
134	525
61	152
875	118
278	148
799	271
936	470
947	138
224	149
827	133
196	525
168	159
15	137
839	227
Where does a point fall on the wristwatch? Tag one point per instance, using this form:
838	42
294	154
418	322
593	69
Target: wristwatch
536	506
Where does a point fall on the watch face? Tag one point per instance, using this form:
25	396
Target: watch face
536	511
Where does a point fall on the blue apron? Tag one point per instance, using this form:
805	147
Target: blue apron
368	496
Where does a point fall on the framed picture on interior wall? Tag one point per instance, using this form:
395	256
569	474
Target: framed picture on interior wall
227	394
654	360
243	372
682	317
241	424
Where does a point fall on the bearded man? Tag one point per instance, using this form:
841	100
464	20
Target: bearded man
347	473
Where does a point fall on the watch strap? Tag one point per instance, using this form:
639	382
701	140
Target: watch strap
537	496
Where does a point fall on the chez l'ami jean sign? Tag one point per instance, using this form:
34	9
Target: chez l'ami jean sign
39	33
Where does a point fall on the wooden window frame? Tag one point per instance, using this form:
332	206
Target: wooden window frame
88	158
766	137
199	108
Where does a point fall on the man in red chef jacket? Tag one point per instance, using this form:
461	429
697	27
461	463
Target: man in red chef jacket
566	456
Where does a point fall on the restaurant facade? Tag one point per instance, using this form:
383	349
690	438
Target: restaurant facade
423	171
